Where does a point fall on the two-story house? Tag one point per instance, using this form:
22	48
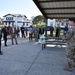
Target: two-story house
16	19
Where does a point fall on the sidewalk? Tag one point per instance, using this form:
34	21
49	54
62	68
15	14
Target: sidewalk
27	58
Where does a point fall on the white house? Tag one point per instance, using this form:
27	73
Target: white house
51	22
54	22
16	19
27	23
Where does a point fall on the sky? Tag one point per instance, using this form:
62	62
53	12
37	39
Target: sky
26	7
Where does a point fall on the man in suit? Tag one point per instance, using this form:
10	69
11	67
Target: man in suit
13	31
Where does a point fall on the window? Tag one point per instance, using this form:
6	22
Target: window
9	18
6	18
26	24
6	23
51	23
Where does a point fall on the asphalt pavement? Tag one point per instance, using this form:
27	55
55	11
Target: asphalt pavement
28	58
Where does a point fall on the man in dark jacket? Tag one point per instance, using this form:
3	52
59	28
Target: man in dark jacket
58	31
51	30
0	41
41	31
5	34
22	31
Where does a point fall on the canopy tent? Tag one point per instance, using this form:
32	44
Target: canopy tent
58	9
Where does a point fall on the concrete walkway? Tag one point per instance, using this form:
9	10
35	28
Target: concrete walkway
27	58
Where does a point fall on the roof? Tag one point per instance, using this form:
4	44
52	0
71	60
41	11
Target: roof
20	15
16	15
8	14
56	8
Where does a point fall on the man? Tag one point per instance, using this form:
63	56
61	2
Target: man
65	30
0	41
51	30
57	31
31	31
18	31
5	34
70	50
13	34
26	31
22	31
41	30
36	33
8	27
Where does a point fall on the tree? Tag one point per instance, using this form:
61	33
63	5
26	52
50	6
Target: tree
39	19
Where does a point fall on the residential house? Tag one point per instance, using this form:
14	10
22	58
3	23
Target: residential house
16	19
56	22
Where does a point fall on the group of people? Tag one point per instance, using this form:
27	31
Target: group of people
35	32
12	31
6	31
69	38
24	31
57	33
57	30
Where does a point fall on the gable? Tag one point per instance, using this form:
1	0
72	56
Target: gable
9	15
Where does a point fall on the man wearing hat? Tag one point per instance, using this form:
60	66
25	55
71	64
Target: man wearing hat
70	49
